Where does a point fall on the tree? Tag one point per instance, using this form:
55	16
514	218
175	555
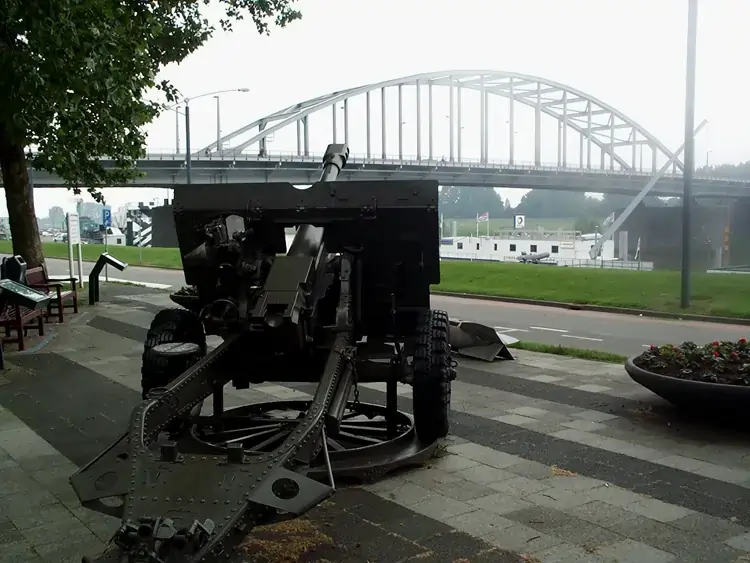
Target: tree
76	76
467	202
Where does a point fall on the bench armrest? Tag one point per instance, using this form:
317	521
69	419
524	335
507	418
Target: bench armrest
50	285
53	279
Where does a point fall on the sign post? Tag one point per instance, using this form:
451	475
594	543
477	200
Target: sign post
519	221
107	223
74	237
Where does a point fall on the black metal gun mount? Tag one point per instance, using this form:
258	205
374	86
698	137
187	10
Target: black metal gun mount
347	303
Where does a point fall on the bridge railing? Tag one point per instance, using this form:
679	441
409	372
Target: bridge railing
412	160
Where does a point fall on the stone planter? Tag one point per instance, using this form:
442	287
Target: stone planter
714	397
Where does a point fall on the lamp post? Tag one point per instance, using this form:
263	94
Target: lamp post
218	125
177	130
709	151
186	101
689	165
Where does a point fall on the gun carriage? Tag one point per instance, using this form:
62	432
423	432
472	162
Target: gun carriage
347	303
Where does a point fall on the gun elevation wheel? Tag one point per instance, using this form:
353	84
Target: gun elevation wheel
171	327
432	375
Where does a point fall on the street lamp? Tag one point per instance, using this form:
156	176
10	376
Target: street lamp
709	151
186	101
689	164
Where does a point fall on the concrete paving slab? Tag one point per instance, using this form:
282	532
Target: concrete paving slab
561	460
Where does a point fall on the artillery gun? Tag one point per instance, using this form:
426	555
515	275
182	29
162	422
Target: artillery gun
348	303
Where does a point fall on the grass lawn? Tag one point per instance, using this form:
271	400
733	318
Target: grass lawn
592	355
132	255
713	294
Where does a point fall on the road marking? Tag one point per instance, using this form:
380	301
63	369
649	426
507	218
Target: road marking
505	329
549	329
582	337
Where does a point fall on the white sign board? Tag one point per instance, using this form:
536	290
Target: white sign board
74	229
74	237
519	221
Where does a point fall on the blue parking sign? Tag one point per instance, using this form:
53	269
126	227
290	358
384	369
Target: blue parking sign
107	216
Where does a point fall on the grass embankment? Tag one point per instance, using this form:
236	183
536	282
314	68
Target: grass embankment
132	255
592	355
712	294
659	290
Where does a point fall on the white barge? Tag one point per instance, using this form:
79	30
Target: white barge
563	248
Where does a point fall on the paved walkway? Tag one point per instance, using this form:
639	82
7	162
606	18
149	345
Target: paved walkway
551	460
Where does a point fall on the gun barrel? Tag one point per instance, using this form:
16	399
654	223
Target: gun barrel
309	239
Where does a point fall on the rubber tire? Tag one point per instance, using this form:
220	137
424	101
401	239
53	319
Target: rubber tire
169	325
432	368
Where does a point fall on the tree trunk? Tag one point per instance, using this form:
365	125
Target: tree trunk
20	200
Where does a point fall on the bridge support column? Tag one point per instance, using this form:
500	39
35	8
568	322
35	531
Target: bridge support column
306	127
565	130
450	117
594	252
346	121
333	117
588	135
612	142
401	122
369	127
459	125
429	119
482	115
486	126
511	122
538	126
419	122
382	121
299	137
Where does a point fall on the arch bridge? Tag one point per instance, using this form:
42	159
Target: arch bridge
461	127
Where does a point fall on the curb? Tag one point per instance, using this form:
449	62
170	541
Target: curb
598	308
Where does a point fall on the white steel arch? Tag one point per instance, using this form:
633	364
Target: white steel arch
600	124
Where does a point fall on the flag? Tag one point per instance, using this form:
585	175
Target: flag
609	220
484	216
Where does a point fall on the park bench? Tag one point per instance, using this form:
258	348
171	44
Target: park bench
60	298
18	318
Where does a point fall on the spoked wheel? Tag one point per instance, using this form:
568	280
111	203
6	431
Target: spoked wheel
261	428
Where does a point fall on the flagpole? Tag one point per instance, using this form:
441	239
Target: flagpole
477	225
488	226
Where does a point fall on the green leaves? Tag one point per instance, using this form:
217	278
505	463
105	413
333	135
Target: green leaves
75	74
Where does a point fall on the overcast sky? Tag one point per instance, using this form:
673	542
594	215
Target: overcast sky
628	53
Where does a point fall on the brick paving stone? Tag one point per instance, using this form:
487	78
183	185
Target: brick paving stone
740	542
630	551
600	513
515	419
658	510
520	486
522	539
501	503
530	469
594	416
484	474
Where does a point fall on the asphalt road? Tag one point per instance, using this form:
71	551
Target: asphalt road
620	334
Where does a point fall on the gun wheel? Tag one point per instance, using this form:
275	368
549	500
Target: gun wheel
262	427
432	376
170	326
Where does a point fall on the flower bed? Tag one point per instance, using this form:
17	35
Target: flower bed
726	362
